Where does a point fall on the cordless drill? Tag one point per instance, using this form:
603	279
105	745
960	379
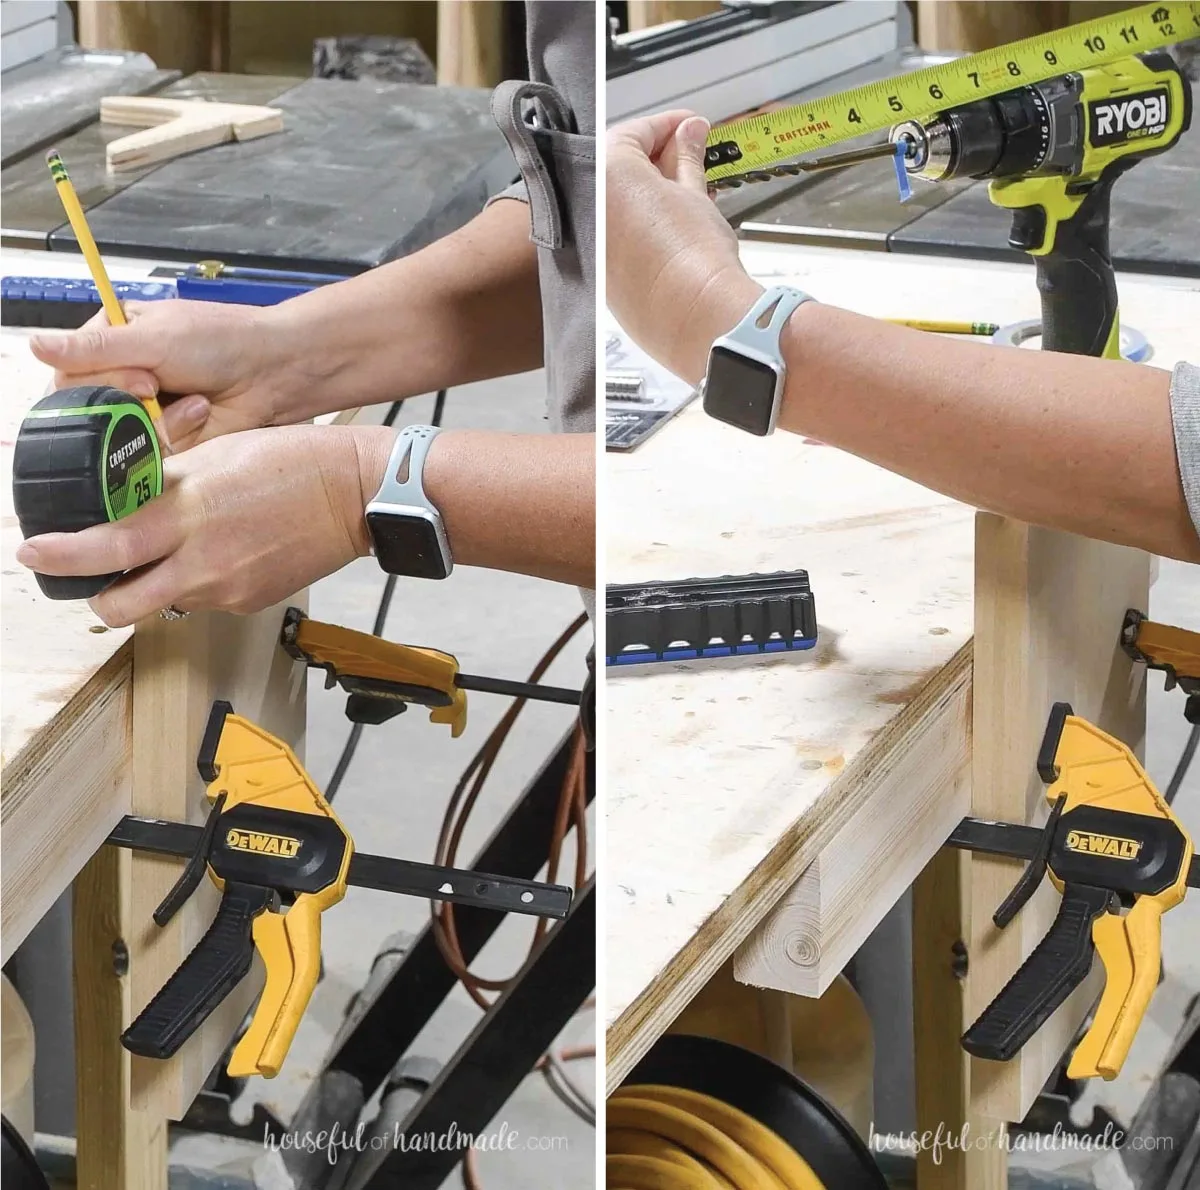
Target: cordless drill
1053	151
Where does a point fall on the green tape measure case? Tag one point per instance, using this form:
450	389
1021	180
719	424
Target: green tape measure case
83	457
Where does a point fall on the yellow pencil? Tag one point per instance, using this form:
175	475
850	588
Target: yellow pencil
941	327
108	297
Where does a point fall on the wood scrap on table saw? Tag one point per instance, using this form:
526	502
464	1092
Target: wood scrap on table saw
171	127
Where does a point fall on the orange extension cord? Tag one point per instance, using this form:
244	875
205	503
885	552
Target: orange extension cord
571	810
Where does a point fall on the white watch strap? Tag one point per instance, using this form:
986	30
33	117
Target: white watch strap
406	465
765	320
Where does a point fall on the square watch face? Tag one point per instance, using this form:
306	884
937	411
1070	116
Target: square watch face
406	545
739	391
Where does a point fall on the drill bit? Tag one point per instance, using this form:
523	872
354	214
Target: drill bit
792	169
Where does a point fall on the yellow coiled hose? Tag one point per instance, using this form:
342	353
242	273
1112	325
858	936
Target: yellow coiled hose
669	1138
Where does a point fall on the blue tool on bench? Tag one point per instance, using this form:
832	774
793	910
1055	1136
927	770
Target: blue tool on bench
66	303
214	281
731	616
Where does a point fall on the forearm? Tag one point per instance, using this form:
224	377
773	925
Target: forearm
519	502
465	308
1059	440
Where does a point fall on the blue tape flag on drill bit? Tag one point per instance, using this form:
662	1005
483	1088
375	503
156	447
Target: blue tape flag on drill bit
901	173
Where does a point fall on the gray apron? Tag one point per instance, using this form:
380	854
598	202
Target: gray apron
549	124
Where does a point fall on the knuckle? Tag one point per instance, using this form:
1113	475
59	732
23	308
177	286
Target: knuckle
91	341
132	545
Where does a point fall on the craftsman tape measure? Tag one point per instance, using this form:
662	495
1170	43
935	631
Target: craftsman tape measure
760	141
84	456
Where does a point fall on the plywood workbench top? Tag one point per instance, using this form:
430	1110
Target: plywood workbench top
724	780
61	669
64	676
51	650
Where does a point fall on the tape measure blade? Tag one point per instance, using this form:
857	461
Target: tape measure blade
782	135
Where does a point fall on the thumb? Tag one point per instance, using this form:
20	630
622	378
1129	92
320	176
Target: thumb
690	141
99	348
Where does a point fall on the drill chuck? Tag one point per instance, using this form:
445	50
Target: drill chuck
1017	134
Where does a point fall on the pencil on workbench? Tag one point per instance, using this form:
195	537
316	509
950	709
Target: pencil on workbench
91	254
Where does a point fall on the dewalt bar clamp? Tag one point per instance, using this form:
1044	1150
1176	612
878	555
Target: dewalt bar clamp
1111	842
382	677
280	857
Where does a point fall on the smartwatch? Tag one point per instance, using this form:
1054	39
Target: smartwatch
406	530
746	373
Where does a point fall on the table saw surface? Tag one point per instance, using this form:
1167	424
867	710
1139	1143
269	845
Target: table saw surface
363	172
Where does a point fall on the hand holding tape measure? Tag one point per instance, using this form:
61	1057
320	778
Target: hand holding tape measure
85	456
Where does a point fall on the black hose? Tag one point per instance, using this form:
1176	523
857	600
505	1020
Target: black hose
381	615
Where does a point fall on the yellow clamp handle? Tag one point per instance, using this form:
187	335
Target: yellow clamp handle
428	674
1097	770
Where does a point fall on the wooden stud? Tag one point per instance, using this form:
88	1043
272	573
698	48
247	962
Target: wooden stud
1048	613
187	35
179	669
941	1066
646	14
116	1148
904	812
470	43
973	25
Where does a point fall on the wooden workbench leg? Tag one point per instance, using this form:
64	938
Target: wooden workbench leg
1048	613
117	1148
179	668
940	917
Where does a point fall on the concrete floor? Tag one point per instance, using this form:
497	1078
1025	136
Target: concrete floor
400	781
